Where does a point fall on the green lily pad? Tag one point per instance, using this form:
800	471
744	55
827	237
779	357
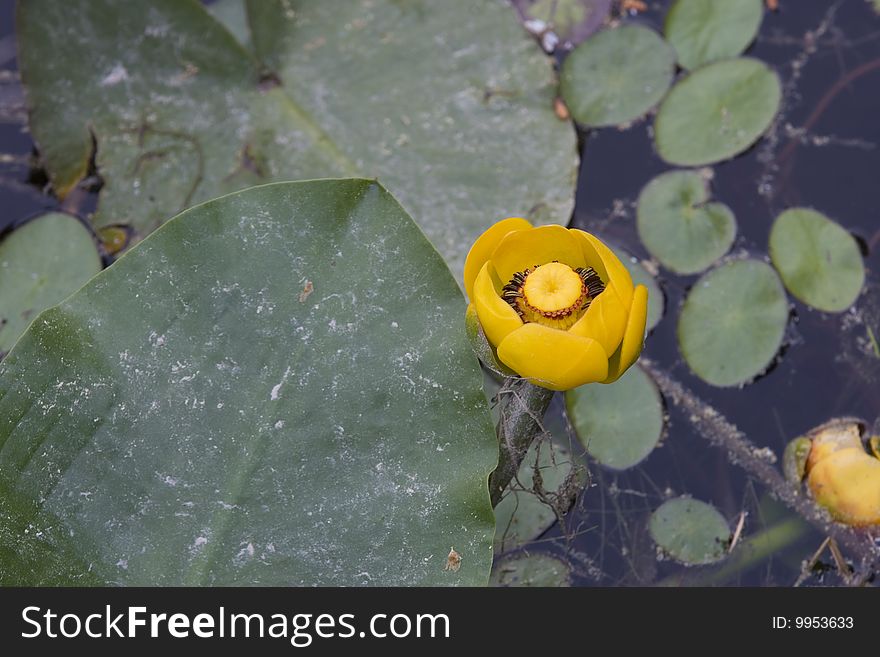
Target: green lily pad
641	276
703	31
621	423
690	531
233	15
41	263
521	516
818	260
445	102
531	570
616	76
274	389
678	224
716	112
733	322
571	20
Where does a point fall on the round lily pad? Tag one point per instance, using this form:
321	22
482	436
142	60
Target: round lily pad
619	424
716	112
733	322
690	531
819	261
703	31
617	75
41	263
521	515
531	570
679	226
641	276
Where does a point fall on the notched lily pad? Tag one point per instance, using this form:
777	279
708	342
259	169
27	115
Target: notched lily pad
703	31
522	515
616	76
690	531
41	263
733	322
678	224
619	424
531	570
818	260
716	112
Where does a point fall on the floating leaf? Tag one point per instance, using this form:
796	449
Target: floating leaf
818	260
619	424
616	76
233	15
571	20
531	570
716	112
641	276
521	515
41	263
703	31
446	102
192	416
679	226
733	322
690	531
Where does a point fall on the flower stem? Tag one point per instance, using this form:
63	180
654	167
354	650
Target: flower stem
522	407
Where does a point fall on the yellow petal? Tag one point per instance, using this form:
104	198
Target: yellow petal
633	336
483	247
607	265
604	321
552	358
525	248
847	483
497	317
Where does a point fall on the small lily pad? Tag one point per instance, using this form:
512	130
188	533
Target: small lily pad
571	20
531	570
819	261
641	276
617	75
619	424
716	112
679	226
690	531
41	263
522	516
703	31
733	322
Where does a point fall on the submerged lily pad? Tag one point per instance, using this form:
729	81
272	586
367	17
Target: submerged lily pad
690	531
819	261
678	225
619	424
446	102
716	112
41	263
733	322
237	401
521	515
641	276
531	570
616	76
703	31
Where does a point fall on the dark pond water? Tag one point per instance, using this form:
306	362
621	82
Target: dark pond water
829	58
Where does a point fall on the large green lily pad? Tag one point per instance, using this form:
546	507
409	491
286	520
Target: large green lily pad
690	531
621	423
678	224
275	388
41	263
447	102
703	31
716	112
733	322
616	76
819	261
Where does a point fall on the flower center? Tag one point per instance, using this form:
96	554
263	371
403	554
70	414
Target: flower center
553	294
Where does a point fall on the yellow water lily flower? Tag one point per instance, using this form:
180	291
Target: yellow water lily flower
556	303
